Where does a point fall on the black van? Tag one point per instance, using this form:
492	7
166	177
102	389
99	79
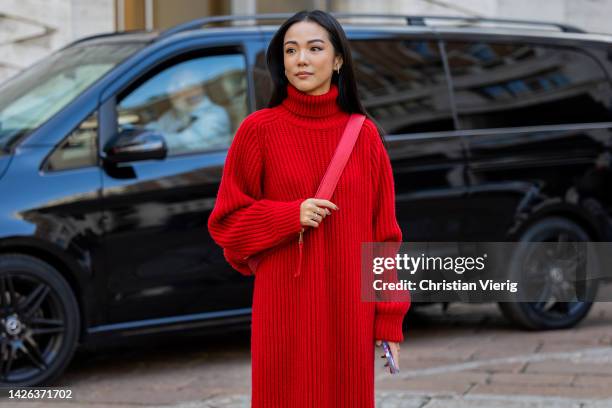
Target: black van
497	130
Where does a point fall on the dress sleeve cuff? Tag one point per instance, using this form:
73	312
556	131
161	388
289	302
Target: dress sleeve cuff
389	327
287	218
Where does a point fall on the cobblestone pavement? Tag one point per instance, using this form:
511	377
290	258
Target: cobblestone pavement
467	357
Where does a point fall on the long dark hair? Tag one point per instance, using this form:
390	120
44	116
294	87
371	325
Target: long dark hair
348	96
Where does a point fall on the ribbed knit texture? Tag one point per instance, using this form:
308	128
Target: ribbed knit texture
312	338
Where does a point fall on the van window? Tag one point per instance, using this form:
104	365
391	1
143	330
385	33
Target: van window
196	105
508	85
402	83
39	92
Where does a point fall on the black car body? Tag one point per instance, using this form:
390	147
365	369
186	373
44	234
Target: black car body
492	133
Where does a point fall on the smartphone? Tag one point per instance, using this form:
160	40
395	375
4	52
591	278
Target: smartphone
392	366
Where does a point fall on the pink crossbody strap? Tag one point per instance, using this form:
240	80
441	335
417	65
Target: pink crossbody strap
331	177
341	156
334	170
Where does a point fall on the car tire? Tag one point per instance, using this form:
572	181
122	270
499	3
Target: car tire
550	315
39	321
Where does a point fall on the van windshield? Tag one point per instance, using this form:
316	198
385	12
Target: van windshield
39	92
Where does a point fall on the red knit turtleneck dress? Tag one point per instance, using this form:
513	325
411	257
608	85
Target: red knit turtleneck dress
312	338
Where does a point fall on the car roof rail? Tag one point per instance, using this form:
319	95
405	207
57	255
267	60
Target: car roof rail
105	35
472	20
201	22
415	20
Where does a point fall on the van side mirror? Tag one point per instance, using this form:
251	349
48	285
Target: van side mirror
136	145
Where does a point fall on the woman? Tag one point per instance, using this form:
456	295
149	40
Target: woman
312	338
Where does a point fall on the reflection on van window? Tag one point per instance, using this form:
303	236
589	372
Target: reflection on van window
79	149
196	105
402	83
507	85
39	92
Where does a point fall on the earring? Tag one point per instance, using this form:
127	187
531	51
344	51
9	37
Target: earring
338	70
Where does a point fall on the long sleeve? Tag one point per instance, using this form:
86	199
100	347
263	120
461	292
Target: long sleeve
242	222
389	315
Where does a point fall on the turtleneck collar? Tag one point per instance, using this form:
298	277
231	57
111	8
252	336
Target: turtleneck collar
312	106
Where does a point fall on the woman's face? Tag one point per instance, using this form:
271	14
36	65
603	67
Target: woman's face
307	49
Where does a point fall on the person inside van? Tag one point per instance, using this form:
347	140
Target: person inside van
193	122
